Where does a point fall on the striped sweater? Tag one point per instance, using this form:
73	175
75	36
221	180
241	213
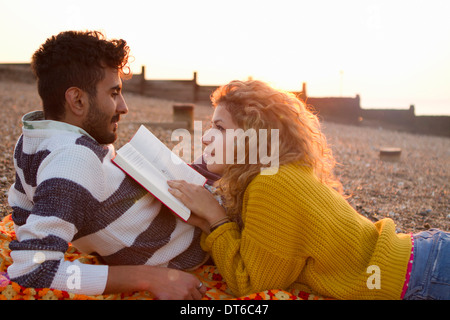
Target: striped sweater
68	190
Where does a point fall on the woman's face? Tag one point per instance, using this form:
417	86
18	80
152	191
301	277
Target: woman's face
215	140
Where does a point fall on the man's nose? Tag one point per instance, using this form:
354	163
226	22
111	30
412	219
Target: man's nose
122	107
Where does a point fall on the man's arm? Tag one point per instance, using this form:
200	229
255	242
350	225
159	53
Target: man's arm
163	283
46	225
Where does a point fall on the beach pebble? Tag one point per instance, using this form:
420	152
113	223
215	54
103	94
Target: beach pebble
412	192
425	212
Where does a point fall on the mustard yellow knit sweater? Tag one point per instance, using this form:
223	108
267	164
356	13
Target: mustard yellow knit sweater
300	234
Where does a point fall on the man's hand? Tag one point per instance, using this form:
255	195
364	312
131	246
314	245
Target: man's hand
163	283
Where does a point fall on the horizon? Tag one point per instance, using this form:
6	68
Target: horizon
389	53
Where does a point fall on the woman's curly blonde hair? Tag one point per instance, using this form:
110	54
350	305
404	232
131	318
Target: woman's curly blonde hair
256	105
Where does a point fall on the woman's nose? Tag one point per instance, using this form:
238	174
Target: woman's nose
206	138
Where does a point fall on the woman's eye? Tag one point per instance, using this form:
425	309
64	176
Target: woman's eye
216	126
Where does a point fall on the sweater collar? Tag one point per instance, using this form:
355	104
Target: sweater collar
35	121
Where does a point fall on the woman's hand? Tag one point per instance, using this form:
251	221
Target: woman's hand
199	200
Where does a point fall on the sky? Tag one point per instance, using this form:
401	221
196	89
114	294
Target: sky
392	53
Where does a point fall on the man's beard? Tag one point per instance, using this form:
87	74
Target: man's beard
97	124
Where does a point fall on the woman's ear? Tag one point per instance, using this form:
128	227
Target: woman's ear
76	102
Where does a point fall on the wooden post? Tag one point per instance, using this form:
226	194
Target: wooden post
184	112
390	154
195	87
303	95
142	83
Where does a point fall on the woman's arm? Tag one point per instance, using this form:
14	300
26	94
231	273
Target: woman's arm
254	259
206	210
264	254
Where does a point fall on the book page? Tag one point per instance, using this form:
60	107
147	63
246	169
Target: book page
163	159
151	163
135	165
139	163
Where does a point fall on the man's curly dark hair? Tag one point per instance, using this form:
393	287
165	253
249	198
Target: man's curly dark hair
75	59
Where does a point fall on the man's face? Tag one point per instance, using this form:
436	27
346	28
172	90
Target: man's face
105	108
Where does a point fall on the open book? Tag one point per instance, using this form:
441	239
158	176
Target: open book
151	163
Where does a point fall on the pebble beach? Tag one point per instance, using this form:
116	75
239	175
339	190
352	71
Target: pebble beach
413	191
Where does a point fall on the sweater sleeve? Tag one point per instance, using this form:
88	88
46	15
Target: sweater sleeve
266	254
48	213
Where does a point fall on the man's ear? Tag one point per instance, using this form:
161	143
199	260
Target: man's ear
76	101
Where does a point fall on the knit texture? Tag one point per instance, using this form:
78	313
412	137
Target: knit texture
301	234
67	190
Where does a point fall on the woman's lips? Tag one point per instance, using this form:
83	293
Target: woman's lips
208	157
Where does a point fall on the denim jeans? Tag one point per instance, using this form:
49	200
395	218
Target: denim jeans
430	273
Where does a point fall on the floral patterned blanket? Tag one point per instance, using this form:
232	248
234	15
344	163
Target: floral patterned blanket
208	274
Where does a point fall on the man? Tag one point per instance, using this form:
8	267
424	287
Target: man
68	190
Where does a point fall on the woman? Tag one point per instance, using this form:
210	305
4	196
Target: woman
291	228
